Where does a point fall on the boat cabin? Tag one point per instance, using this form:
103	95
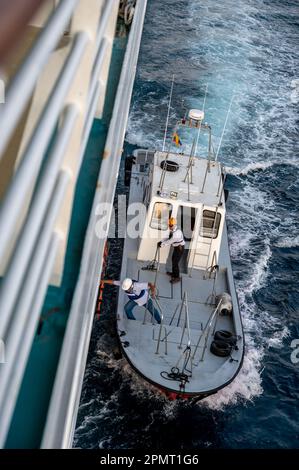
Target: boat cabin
191	190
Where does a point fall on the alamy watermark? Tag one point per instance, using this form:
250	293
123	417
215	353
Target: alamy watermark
295	91
121	221
2	352
295	353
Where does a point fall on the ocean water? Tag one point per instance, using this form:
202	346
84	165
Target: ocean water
241	54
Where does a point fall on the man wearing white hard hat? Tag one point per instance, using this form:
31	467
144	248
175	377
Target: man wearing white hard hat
138	293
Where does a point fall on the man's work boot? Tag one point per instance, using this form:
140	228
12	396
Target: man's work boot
173	280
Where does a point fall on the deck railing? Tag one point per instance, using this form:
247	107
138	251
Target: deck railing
30	264
62	413
206	332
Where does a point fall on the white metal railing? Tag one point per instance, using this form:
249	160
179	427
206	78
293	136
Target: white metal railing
24	82
37	146
65	399
206	332
185	355
24	285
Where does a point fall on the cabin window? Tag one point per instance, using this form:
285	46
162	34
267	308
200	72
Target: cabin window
186	217
209	228
161	214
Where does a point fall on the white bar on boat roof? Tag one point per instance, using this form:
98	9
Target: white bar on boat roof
65	399
23	83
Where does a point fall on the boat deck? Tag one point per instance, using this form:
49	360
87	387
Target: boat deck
143	337
209	372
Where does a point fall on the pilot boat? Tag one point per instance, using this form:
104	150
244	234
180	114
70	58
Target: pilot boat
197	349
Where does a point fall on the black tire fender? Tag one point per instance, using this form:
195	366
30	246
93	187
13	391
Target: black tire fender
227	336
168	165
220	348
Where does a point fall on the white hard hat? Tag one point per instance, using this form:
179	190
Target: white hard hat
127	284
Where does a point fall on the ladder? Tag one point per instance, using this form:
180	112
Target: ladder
198	250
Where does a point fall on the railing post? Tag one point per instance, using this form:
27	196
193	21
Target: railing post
205	178
206	332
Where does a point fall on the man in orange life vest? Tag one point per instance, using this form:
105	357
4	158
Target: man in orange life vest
175	239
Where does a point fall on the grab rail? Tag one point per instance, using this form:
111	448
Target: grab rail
22	85
186	321
164	339
205	332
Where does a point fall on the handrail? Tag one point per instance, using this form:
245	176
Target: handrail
155	282
213	264
186	322
212	269
187	355
222	189
65	398
219	185
96	69
161	326
187	351
186	326
30	266
190	165
164	339
205	177
163	174
212	236
17	328
23	83
206	331
16	270
34	153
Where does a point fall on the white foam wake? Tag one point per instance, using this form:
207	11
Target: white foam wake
259	166
288	242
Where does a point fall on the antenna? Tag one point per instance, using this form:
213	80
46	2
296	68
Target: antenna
228	112
167	120
203	108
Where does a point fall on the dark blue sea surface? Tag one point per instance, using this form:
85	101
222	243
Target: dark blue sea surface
245	51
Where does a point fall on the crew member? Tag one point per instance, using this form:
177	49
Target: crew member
138	293
175	239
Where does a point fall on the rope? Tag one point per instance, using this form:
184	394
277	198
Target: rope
177	375
102	285
127	10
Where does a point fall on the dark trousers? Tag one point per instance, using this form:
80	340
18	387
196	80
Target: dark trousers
176	256
129	307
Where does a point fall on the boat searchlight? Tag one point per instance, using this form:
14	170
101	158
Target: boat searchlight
196	115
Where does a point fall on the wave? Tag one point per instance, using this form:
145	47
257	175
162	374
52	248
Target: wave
245	387
259	166
288	242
